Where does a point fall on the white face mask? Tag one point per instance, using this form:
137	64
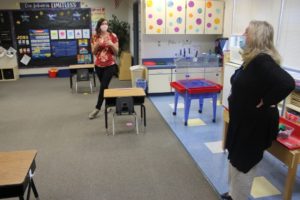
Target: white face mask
104	27
243	42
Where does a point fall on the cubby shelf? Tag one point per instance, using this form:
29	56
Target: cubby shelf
8	68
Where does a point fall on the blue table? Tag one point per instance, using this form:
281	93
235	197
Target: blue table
195	89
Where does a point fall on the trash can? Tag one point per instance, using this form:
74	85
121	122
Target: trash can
137	72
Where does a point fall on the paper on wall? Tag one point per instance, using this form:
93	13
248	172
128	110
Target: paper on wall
54	34
12	50
25	60
86	33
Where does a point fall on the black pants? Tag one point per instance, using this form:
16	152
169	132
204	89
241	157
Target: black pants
104	74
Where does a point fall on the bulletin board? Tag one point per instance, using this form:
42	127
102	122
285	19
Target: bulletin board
53	37
6	40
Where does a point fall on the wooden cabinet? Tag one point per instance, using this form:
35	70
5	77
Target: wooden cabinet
175	17
184	17
8	68
159	80
179	74
214	14
213	74
155	17
195	10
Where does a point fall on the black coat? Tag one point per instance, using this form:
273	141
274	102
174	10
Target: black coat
251	130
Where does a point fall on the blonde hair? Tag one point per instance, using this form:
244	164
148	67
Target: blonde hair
260	34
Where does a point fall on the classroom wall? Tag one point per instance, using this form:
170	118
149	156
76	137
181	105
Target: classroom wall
122	12
284	15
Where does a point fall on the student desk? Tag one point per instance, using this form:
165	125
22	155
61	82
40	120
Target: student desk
16	169
291	158
73	70
138	94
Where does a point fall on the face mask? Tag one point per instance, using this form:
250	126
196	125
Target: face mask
242	42
104	27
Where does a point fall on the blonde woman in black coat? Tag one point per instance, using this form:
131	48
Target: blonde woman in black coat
256	89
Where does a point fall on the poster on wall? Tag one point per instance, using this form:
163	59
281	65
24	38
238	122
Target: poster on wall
52	37
70	34
97	13
64	48
54	34
40	43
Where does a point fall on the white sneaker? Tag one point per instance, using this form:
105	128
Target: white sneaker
109	110
94	113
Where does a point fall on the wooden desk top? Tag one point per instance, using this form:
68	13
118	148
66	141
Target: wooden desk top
124	92
81	66
14	166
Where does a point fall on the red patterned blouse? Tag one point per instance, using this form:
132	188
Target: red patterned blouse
105	55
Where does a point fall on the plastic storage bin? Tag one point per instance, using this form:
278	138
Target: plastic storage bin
52	73
285	131
141	83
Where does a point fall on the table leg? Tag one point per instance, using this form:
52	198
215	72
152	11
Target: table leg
200	104
175	102
94	78
71	81
28	190
187	104
34	189
144	114
214	103
105	114
290	179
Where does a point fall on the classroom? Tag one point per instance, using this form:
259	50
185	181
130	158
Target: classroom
129	99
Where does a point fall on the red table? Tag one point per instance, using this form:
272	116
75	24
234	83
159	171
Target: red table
195	89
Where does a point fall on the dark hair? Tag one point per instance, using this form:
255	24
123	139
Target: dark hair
100	21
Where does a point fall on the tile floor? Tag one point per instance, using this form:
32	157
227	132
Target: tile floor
202	139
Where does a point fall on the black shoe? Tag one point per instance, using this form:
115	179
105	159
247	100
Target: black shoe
226	196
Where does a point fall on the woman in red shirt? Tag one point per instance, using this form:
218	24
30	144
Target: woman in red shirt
105	46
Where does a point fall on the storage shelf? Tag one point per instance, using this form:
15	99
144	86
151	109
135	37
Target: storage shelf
8	69
293	107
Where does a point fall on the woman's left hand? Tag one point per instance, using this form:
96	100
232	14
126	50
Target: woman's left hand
260	104
109	43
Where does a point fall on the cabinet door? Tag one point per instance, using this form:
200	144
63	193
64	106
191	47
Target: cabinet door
214	14
187	73
159	81
195	16
175	17
213	76
155	16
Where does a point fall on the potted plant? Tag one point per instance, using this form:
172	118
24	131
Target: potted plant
121	29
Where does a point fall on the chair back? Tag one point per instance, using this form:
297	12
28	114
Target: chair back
124	105
83	75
